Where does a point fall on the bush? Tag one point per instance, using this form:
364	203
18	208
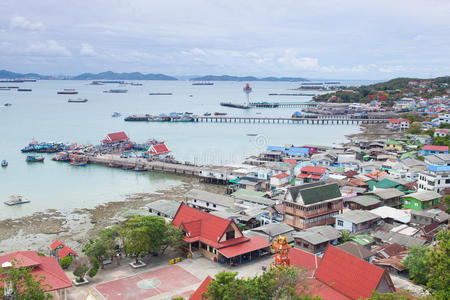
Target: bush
95	263
66	262
92	272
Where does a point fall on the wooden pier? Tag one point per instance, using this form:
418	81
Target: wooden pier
319	120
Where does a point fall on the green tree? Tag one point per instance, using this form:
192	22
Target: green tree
100	248
402	295
345	236
415	128
414	262
25	285
136	240
446	202
277	283
437	265
172	238
81	269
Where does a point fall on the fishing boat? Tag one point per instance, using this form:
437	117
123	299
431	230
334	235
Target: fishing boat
140	169
78	100
113	165
8	104
116	114
24	90
127	167
220	114
79	163
15	200
4	163
61	157
35	158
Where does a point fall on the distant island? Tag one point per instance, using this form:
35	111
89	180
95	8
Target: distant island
109	75
246	78
123	76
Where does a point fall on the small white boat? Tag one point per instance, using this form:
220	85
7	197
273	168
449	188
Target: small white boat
16	200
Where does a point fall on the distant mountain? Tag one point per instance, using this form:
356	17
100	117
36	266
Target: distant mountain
122	76
4	74
246	78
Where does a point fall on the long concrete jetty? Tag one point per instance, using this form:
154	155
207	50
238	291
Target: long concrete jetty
336	120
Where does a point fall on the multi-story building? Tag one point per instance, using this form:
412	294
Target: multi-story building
398	124
434	178
312	204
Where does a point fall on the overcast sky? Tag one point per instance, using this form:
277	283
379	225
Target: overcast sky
348	39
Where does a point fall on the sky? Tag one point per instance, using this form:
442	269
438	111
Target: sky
347	39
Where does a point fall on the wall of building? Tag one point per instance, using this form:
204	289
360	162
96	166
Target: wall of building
342	224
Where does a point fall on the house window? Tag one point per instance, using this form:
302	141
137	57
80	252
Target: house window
207	203
214	205
416	204
340	223
204	246
195	200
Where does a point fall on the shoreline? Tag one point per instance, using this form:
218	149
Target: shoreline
41	229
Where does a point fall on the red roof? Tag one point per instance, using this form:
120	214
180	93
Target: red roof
349	275
315	287
44	266
290	161
255	243
204	227
395	121
281	175
158	149
311	169
203	288
55	244
66	251
116	137
303	259
435	148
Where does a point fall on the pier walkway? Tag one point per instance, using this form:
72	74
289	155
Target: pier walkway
324	119
169	167
283	104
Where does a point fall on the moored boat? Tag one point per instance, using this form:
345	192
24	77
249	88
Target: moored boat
116	91
79	163
16	199
127	167
78	100
220	114
4	163
35	158
207	114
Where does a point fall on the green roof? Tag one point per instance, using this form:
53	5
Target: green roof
382	184
392	142
363	239
316	192
407	155
241	192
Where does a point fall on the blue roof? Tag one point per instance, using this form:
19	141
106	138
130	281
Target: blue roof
291	151
439	168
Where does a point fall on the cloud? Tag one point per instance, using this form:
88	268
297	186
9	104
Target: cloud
48	48
19	22
87	50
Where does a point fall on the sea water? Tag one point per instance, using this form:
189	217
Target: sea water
46	116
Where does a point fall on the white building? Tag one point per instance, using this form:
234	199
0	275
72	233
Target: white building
443	119
398	124
209	201
435	178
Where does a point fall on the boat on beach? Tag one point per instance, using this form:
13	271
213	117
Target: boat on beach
34	158
16	200
4	163
78	100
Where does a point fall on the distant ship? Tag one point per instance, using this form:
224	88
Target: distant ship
68	92
116	91
160	94
79	100
24	90
203	83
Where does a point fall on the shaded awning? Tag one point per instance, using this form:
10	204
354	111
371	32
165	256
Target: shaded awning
254	243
